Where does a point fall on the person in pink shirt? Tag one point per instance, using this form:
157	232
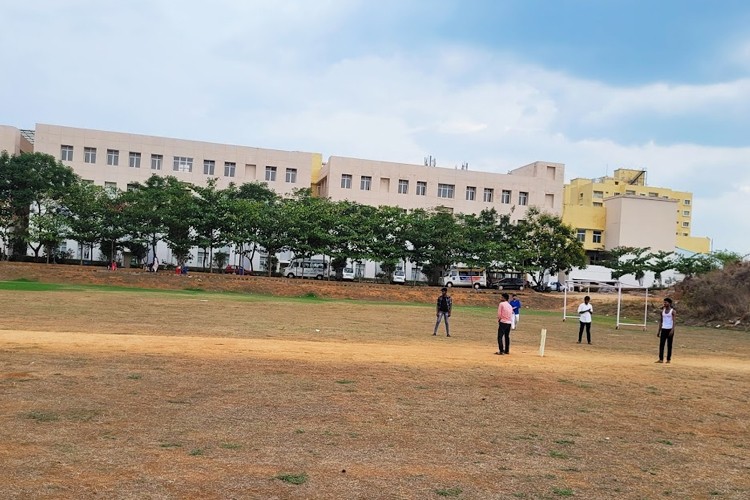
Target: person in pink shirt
504	322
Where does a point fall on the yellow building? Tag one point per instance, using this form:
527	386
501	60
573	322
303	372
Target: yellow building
584	209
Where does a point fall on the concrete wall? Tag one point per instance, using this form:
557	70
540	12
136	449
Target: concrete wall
640	222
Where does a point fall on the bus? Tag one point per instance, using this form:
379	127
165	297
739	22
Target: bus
306	269
466	276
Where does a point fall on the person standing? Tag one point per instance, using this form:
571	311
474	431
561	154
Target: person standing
516	305
444	308
504	322
585	311
666	330
156	263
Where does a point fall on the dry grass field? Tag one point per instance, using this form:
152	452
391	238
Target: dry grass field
108	393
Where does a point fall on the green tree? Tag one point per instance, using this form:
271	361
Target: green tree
211	223
431	238
624	260
86	203
27	179
659	263
695	264
725	258
146	210
548	246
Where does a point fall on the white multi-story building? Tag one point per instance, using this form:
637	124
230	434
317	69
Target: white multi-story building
117	160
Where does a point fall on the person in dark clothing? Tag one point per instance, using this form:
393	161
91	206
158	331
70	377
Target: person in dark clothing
444	307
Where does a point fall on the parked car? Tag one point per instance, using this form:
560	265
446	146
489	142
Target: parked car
510	284
347	274
557	286
399	277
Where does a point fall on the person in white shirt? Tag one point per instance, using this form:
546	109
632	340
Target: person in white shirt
585	311
666	330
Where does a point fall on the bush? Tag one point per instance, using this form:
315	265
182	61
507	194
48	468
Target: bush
718	296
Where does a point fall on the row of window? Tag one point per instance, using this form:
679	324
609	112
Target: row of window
443	190
179	163
581	235
597	235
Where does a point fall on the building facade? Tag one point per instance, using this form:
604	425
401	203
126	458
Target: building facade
410	186
117	160
586	210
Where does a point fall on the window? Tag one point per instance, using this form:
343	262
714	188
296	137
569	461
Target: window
66	153
489	194
135	160
505	196
581	235
597	236
630	192
346	181
110	186
686	202
89	155
403	186
445	190
523	198
156	161
230	168
598	194
653	195
291	175
598	204
131	187
182	164
471	193
686	224
271	174
421	188
686	213
209	167
113	157
365	182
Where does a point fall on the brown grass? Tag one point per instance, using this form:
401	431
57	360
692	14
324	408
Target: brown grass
162	395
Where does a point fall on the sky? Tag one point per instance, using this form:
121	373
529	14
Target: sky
597	85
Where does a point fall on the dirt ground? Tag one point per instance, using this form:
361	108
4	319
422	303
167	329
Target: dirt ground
183	394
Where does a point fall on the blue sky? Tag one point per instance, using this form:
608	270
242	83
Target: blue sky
661	85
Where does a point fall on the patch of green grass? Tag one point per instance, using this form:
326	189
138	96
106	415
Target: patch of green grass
82	415
564	441
309	295
449	492
196	452
557	454
520	495
292	478
24	285
715	493
563	492
134	376
299	431
42	416
666	441
345	381
230	446
170	444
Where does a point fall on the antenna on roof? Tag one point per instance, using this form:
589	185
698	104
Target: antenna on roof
429	161
465	165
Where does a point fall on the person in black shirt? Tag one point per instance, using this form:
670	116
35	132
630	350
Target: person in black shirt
444	306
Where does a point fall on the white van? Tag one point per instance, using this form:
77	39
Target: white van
347	274
306	269
466	276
